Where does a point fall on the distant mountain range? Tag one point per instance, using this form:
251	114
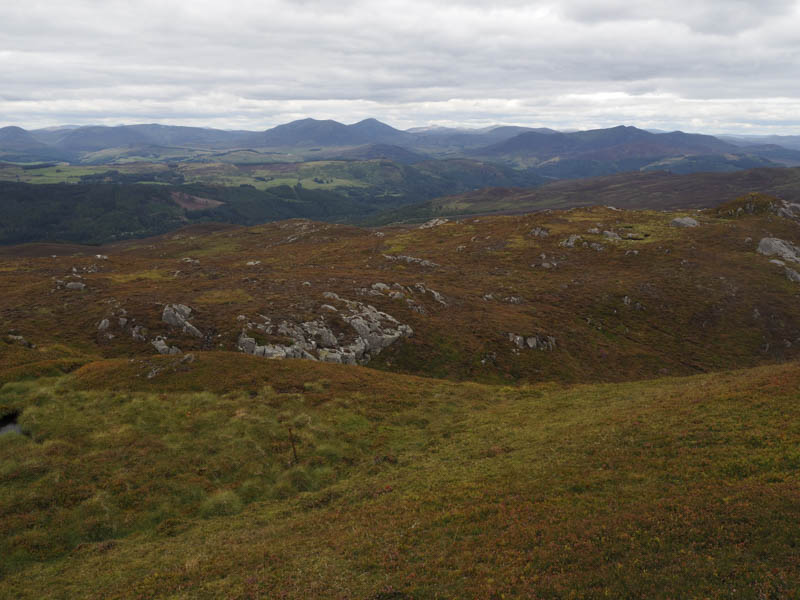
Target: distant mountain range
553	154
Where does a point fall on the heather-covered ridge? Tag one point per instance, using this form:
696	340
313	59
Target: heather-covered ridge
581	295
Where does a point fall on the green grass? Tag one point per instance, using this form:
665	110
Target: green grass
410	488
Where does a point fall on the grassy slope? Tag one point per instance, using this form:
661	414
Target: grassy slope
130	487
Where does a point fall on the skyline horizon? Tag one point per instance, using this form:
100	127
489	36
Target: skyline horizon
444	124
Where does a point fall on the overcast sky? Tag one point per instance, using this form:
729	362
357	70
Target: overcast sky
697	65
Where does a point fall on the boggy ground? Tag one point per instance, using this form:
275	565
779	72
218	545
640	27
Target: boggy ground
658	301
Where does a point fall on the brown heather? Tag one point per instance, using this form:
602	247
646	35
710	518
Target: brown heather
652	454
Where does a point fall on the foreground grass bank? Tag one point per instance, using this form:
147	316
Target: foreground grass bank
299	480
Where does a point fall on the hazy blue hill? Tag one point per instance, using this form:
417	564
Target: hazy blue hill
553	154
172	135
375	131
454	140
16	138
93	138
786	141
327	133
607	143
51	135
697	143
17	144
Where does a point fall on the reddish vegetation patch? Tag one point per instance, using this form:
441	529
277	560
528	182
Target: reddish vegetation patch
194	202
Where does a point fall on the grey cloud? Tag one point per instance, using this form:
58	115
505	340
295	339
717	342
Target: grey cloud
714	17
253	64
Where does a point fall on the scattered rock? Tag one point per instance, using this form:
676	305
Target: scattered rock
253	263
434	223
534	342
570	241
103	325
540	232
436	295
593	230
782	248
177	315
161	346
684	222
411	260
15	338
611	235
76	285
139	333
792	275
788	210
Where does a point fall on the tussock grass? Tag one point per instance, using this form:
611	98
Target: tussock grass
418	488
148	275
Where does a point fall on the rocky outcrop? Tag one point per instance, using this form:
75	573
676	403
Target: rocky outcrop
787	210
540	232
434	223
13	337
162	347
533	342
570	241
177	315
684	222
778	247
370	331
426	290
755	203
412	260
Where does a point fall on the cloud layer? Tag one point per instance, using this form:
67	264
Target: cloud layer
716	65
